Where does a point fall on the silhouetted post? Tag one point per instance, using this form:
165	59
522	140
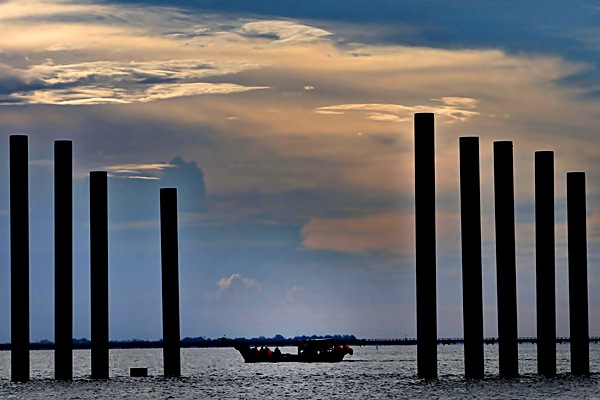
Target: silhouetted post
545	262
578	290
504	203
470	221
19	258
99	272
63	259
170	281
425	245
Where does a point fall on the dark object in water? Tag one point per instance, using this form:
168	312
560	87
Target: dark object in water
138	372
315	350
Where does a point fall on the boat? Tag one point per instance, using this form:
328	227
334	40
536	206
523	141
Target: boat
312	350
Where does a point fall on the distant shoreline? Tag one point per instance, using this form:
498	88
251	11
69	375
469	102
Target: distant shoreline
83	344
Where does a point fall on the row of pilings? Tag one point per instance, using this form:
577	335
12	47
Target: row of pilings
63	253
472	281
425	238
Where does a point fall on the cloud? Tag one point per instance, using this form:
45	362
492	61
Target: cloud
285	32
92	95
463	102
14	80
292	294
155	71
328	112
375	116
105	82
73	11
189	178
381	232
454	109
134	197
83	31
167	91
77	96
149	65
137	168
234	287
225	283
149	178
62	47
18	10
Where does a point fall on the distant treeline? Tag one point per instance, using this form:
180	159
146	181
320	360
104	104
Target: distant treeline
277	340
200	341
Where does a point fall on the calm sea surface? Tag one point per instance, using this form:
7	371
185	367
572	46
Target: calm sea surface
389	372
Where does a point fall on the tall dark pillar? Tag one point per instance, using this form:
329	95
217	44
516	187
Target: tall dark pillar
504	204
170	281
578	288
425	245
99	272
470	221
63	259
545	261
19	258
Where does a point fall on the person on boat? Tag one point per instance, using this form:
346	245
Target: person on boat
277	352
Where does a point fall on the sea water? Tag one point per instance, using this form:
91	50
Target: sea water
386	372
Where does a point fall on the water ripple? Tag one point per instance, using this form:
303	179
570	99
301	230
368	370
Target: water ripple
387	373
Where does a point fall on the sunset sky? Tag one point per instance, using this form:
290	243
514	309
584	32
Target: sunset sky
287	128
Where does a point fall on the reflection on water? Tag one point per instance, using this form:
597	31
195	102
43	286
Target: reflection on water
389	372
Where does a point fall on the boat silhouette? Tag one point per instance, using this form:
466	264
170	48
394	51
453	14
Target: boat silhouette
313	350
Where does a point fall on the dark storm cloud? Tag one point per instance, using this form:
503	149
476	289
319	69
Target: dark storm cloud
190	179
134	190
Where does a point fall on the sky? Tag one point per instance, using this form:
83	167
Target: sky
287	128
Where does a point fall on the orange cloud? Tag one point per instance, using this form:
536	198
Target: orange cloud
382	232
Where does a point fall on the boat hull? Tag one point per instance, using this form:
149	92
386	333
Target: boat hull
253	356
